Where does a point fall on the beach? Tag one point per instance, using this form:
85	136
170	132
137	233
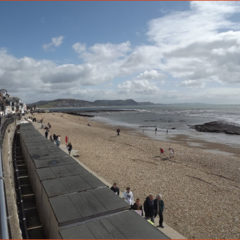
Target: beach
200	189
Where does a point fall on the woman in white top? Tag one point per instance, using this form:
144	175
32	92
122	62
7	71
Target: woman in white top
128	196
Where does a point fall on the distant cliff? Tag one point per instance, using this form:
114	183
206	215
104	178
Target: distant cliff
81	103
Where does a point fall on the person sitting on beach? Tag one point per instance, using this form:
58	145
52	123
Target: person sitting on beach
171	152
115	189
69	147
137	206
128	196
158	209
118	131
149	207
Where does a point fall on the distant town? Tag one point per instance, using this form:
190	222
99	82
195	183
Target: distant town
11	105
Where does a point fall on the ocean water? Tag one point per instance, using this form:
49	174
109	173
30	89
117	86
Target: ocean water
176	118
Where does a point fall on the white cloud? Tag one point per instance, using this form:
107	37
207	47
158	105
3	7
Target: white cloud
102	52
79	47
138	86
152	75
55	42
199	47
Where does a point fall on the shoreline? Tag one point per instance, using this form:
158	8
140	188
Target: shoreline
182	139
201	190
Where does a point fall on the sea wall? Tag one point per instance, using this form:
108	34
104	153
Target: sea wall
72	202
8	128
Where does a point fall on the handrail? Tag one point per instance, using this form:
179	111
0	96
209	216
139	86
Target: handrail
4	224
3	212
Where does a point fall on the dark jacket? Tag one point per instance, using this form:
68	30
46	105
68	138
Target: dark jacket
69	146
159	203
136	207
148	208
115	189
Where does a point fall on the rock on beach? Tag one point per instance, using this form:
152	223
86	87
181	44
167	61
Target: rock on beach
218	127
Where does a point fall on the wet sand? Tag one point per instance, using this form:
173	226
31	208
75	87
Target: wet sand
201	190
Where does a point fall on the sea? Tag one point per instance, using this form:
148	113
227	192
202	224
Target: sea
171	120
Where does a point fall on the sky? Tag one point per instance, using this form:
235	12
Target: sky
163	52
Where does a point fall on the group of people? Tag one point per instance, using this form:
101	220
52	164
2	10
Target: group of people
54	137
171	152
57	140
152	207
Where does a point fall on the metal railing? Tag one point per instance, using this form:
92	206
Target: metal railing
4	233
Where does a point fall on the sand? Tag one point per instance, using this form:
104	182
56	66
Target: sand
201	190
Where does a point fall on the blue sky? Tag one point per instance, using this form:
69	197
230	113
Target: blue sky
166	52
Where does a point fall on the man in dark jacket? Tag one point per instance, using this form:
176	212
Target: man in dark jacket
149	207
158	209
115	189
69	147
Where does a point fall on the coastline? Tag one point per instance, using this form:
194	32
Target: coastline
200	189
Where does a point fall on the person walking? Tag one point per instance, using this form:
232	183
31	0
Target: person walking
158	209
128	196
69	147
149	207
115	189
46	132
137	206
118	131
171	152
58	140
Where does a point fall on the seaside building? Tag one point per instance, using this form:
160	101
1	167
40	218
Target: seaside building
10	105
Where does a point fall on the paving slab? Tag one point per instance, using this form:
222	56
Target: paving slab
86	205
51	162
62	171
122	225
71	184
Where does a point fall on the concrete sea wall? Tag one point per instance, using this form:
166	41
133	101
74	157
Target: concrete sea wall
8	128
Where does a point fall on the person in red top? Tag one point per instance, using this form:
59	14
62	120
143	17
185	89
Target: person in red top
161	151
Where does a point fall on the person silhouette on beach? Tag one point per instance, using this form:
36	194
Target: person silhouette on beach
118	131
155	131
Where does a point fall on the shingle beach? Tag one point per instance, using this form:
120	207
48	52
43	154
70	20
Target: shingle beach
201	190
